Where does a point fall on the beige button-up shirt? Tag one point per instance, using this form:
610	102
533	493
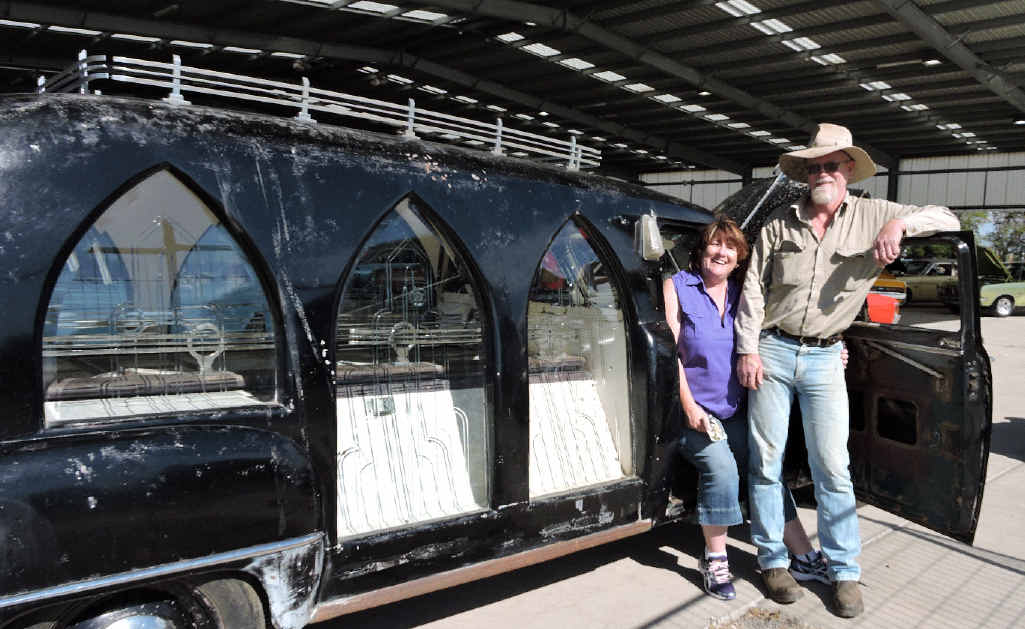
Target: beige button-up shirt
812	287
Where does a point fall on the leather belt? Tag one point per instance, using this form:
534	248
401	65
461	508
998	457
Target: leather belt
809	340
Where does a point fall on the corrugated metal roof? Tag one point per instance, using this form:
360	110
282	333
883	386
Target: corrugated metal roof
771	67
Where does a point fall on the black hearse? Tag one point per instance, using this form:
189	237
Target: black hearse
258	371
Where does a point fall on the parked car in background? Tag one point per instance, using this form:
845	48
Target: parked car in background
922	277
999	292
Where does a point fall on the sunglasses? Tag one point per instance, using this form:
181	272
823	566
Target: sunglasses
829	167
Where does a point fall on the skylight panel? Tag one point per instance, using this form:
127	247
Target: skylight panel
896	96
242	51
717	117
497	108
598	138
74	31
575	131
949	125
876	85
641	151
771	27
661	157
608	76
138	38
398	78
758	133
778	140
801	44
550	124
738	8
524	116
639	87
738	125
510	37
541	50
692	108
16	24
914	107
426	16
620	145
465	99
373	7
190	44
576	64
666	98
830	59
430	89
368	70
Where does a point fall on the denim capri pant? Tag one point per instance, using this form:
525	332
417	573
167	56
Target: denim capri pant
720	465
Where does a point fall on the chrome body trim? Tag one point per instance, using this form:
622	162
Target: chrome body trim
124	578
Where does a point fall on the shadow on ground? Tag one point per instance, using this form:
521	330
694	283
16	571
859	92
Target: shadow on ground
659	548
1009	438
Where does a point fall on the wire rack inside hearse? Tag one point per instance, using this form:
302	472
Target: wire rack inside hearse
91	70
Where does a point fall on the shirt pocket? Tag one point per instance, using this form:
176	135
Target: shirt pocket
788	264
694	322
855	268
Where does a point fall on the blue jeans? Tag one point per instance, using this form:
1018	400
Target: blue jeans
720	465
817	376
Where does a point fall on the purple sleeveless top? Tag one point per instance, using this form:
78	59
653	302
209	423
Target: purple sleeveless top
706	345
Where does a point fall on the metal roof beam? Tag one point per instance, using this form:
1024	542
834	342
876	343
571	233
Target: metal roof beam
28	12
519	12
931	31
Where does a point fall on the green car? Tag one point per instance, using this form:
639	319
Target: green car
1001	299
999	292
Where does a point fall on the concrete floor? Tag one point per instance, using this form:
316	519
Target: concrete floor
912	577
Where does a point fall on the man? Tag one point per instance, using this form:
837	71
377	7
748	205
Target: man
811	269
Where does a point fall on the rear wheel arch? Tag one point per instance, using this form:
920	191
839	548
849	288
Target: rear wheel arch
212	603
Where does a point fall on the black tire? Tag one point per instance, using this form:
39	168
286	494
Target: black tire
215	604
234	603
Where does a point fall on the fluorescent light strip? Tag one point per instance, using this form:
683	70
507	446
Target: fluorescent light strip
74	31
541	50
372	7
138	38
608	76
426	16
16	24
576	64
639	87
510	37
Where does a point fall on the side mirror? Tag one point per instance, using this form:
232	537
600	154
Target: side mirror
647	239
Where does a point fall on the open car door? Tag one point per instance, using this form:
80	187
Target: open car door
921	406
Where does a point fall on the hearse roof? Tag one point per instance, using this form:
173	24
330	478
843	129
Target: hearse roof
129	113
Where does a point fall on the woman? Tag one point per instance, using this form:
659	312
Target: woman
701	303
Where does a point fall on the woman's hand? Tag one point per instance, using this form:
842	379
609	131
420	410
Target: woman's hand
697	418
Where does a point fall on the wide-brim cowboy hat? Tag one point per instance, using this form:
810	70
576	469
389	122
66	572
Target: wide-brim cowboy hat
827	139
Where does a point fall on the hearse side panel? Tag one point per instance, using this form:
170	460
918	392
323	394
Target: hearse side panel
97	504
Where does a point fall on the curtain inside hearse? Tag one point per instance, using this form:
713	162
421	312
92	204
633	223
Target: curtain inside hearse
576	347
413	442
156	311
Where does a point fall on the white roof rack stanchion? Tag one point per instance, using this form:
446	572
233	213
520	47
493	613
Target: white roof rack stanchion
304	113
410	133
498	137
406	119
176	97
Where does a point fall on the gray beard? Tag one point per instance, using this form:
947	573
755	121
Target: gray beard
822	195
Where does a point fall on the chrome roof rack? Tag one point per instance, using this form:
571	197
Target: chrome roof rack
437	126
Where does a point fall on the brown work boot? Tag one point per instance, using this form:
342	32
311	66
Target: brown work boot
782	587
847	599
